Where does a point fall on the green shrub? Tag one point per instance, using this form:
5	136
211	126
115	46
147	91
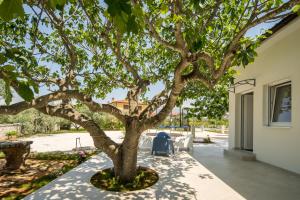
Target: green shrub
56	155
2	155
9	134
60	155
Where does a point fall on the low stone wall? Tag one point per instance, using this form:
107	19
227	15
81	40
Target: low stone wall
4	128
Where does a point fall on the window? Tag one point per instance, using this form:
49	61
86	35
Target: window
125	107
280	104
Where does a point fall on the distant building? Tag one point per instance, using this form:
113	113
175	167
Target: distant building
123	105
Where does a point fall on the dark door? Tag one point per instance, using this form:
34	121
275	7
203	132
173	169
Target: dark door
247	122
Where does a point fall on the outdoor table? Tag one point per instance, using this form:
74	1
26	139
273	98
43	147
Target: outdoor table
15	153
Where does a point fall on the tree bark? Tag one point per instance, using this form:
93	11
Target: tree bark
125	163
129	163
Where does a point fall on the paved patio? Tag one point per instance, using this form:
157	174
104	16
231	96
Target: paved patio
181	177
251	179
67	141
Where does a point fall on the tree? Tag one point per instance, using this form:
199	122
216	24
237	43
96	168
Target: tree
84	49
211	103
33	121
104	120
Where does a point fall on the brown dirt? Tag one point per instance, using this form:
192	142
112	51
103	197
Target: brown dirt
33	169
105	179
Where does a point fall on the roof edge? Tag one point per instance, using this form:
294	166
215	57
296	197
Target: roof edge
277	27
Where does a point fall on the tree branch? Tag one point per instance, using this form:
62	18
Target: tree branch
58	23
178	85
196	75
101	140
60	95
116	49
158	38
253	21
156	102
180	42
212	15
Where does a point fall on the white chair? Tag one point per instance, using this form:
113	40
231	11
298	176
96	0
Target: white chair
179	143
183	143
145	142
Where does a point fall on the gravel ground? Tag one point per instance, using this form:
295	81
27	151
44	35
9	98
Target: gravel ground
66	141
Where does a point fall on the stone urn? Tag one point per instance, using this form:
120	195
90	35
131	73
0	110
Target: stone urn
15	153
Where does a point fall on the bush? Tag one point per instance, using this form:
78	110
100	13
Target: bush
55	155
80	156
10	134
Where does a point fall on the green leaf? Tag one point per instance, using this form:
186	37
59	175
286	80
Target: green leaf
123	16
34	85
7	93
132	25
25	91
11	9
57	4
8	68
3	58
296	8
197	45
164	9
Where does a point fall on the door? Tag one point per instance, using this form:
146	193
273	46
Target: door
247	122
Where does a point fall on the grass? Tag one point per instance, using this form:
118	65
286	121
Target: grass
106	180
215	130
69	131
53	156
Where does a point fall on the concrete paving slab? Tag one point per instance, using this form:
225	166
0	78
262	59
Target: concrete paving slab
252	179
67	141
180	177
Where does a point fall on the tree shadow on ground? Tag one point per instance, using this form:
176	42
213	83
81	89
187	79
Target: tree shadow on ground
179	178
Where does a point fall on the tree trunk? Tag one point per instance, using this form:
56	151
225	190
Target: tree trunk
129	164
125	163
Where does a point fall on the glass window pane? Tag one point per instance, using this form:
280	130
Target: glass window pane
282	104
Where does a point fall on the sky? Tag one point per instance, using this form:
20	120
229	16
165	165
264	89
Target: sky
154	89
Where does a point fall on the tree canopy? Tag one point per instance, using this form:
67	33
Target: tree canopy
213	103
83	49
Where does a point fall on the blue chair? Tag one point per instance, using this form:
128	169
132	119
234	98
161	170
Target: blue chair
162	145
163	135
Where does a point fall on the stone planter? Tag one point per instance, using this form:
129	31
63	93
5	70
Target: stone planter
15	153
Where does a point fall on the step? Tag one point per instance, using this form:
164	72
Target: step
240	154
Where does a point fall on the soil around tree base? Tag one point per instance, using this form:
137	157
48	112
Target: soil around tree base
106	180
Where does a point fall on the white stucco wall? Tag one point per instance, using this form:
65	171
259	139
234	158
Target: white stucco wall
278	59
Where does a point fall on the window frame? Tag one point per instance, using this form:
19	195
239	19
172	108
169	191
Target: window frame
271	102
125	107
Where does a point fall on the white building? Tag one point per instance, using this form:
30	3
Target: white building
265	104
